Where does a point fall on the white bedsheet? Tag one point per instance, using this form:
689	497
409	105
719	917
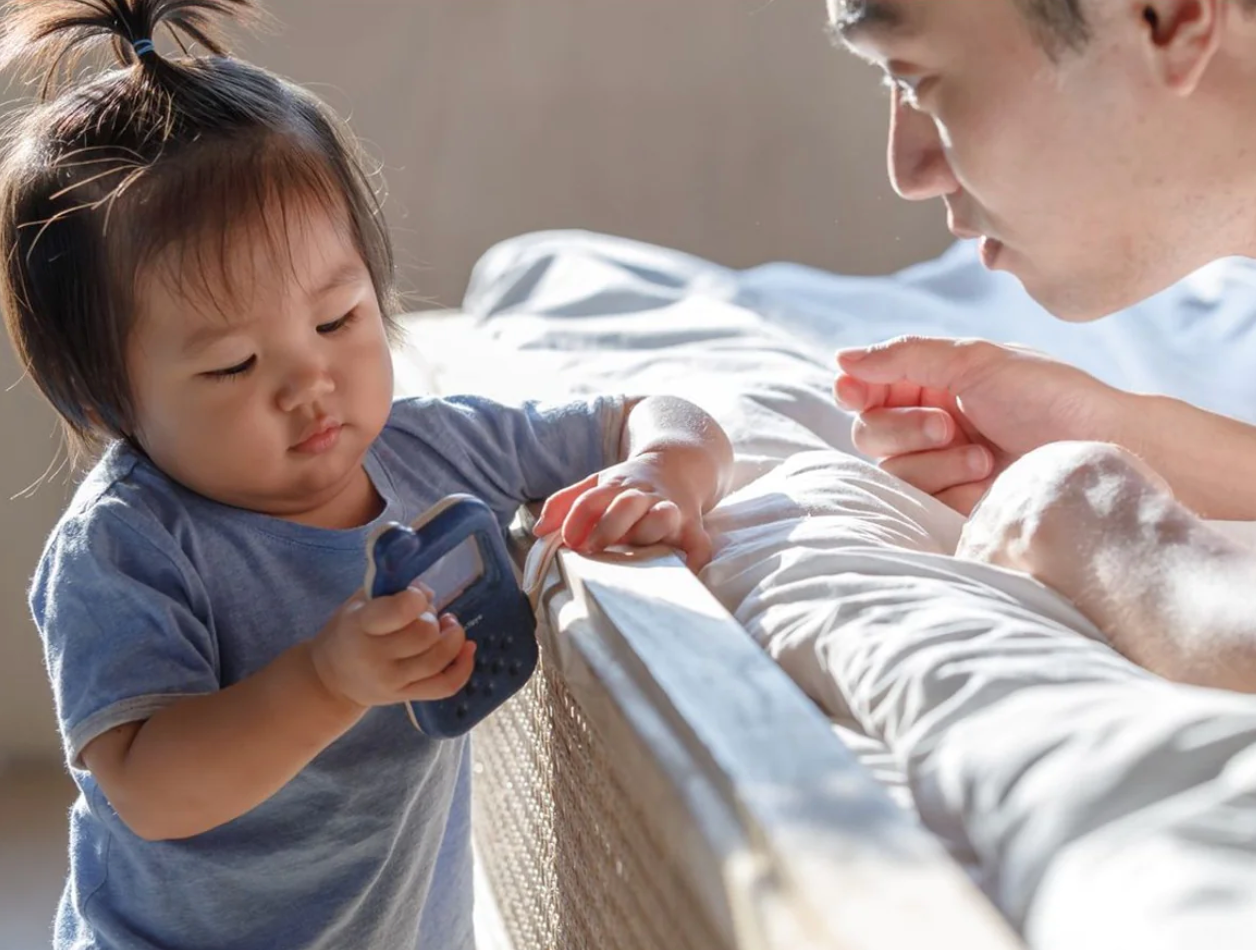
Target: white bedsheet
1196	341
1097	805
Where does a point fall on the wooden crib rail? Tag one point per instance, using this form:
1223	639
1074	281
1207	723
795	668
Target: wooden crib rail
784	840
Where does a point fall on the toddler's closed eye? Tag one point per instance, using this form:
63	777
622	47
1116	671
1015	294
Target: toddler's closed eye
232	372
329	328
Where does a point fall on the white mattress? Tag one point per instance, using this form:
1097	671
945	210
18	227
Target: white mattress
1095	804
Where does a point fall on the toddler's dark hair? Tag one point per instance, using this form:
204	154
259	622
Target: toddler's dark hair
161	155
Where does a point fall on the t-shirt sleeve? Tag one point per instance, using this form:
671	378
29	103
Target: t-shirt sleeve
509	455
121	622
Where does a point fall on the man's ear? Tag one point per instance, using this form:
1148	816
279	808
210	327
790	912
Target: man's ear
1180	38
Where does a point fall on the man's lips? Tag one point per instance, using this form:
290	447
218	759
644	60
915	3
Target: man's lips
964	233
989	248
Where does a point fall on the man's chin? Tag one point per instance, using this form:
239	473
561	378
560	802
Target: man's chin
1078	296
1074	301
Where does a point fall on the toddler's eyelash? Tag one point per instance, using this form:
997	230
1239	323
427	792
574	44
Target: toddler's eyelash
239	369
337	325
232	372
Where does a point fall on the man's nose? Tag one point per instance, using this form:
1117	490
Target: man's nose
918	166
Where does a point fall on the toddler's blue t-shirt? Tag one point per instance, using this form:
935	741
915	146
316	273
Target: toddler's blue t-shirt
148	592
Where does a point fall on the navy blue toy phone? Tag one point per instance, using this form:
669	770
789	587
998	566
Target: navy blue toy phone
457	550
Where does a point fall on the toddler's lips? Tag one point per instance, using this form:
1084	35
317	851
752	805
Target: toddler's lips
321	440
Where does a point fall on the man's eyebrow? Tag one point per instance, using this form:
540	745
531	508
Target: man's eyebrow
855	20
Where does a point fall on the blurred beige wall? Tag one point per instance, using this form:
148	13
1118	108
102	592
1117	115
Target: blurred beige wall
728	128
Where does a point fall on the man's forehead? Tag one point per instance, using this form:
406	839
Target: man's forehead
855	20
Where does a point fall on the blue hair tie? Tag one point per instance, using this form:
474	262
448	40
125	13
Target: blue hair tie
142	47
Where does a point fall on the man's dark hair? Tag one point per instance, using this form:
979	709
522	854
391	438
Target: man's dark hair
1061	24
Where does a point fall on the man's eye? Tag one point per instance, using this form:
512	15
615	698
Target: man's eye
907	87
239	369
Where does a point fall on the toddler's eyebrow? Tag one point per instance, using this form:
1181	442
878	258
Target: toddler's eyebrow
206	336
345	275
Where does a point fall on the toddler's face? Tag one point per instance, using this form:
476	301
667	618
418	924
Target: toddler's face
261	383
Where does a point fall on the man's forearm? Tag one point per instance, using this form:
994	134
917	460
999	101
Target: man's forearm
1209	460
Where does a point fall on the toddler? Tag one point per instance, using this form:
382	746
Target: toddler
197	276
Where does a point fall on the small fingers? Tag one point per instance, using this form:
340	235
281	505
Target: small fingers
443	650
448	681
413	639
586	514
386	615
657	525
696	545
556	508
636	518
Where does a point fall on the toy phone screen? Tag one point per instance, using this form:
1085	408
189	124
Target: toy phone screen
454	572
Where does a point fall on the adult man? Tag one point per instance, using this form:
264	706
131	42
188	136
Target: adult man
1101	150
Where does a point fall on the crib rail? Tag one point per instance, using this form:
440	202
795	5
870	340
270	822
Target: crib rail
663	784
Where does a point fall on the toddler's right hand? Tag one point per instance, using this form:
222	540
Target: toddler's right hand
392	650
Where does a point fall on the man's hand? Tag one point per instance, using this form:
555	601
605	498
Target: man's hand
949	415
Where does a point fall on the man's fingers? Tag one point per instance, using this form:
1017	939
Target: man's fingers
856	395
942	470
965	498
850	393
884	433
922	361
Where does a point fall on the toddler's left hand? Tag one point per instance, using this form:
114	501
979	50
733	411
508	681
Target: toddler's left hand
629	503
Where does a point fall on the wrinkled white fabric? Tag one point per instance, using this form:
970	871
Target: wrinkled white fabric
1097	805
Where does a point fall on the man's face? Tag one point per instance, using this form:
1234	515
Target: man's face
1061	165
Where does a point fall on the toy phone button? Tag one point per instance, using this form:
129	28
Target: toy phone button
462	711
516	668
